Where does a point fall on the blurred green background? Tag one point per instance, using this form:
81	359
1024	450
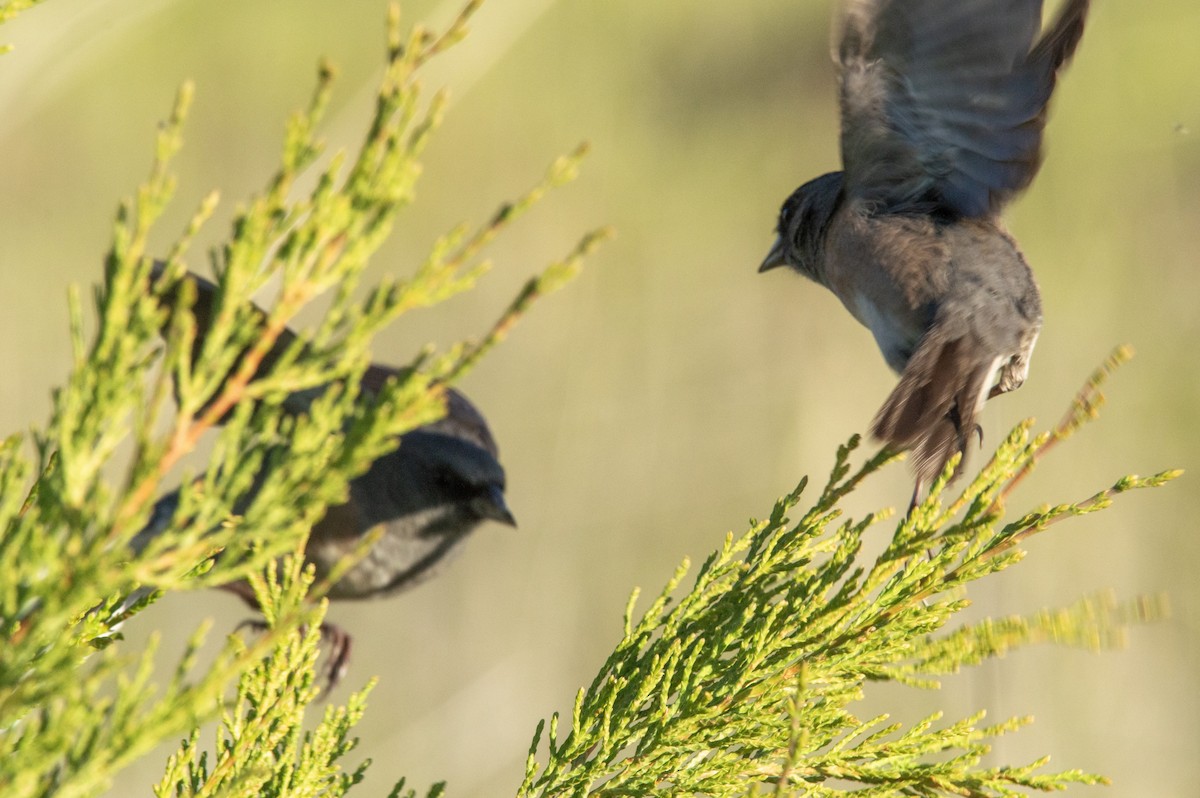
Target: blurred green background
670	393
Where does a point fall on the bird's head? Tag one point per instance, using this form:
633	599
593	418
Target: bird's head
801	228
456	472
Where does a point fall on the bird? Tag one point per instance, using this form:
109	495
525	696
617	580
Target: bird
441	482
943	106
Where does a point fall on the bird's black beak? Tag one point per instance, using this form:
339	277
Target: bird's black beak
775	257
492	505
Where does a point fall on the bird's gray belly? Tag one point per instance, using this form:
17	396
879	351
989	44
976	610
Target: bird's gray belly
896	334
970	279
409	552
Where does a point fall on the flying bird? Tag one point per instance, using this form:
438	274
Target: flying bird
943	104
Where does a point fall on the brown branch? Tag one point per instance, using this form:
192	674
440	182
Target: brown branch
187	435
1084	407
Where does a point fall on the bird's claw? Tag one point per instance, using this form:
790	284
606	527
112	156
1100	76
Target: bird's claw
337	663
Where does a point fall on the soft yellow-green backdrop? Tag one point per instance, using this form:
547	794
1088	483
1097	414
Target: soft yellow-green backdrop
670	393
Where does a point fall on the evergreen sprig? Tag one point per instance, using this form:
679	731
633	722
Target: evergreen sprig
74	706
261	748
748	679
9	10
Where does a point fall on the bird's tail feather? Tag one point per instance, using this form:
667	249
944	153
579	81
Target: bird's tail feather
933	409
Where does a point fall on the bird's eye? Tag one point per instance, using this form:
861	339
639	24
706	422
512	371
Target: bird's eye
447	478
789	211
785	214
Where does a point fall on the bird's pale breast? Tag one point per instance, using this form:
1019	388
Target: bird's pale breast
889	272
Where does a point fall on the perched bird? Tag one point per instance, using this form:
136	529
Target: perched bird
429	494
943	103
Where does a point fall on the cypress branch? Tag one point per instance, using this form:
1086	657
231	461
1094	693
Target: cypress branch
748	679
75	707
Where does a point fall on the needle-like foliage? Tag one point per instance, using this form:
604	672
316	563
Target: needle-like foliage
133	409
748	680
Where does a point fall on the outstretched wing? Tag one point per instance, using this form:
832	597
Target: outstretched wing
944	101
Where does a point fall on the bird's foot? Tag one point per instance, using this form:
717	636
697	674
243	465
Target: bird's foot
915	500
337	662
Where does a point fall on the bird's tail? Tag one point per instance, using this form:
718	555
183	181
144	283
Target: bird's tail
933	409
204	311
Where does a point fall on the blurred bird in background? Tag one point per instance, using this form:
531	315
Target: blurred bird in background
943	104
429	494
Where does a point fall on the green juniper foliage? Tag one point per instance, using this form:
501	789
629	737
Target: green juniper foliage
744	682
71	716
748	679
10	9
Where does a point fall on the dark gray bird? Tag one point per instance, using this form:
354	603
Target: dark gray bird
943	104
429	494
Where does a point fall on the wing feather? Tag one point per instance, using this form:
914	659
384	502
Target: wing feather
944	101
